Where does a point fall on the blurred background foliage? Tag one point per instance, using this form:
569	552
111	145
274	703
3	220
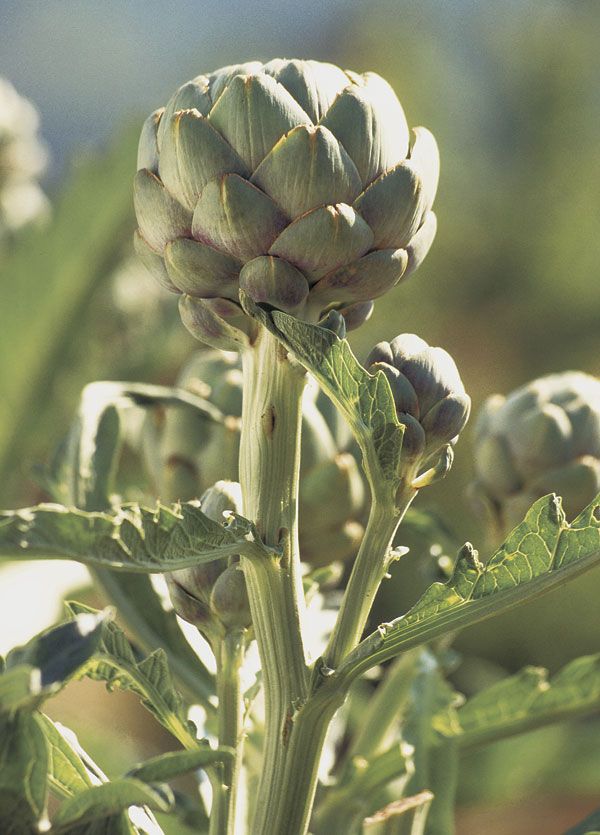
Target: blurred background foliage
511	287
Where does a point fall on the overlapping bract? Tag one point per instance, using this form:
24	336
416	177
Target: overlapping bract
543	437
292	180
186	453
428	392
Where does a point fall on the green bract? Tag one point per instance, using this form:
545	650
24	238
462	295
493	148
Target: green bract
429	395
294	181
544	437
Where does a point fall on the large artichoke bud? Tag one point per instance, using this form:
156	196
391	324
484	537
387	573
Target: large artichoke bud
186	452
429	395
213	596
294	181
543	438
22	161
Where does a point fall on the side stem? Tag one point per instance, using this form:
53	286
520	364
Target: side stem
230	654
269	469
370	567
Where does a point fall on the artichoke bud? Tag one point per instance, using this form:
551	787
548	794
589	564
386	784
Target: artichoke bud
542	438
229	599
322	546
335	485
191	588
293	181
428	393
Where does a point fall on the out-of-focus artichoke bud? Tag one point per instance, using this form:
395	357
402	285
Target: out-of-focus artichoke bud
191	589
189	451
429	395
543	438
295	181
23	159
229	599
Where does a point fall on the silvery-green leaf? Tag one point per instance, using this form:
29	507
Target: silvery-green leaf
160	217
420	243
313	84
236	217
362	280
199	270
364	399
273	281
23	774
308	168
323	240
165	767
253	113
369	122
99	802
119	666
522	702
214	321
192	154
193	95
540	554
147	147
393	206
153	262
133	538
66	772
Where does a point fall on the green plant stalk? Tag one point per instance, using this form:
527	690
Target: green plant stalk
370	567
269	469
443	779
384	712
230	654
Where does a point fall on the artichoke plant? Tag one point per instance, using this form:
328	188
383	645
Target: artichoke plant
428	392
22	161
542	438
186	453
294	182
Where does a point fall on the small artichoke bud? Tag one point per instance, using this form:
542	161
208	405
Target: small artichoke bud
428	393
191	588
229	599
293	181
542	438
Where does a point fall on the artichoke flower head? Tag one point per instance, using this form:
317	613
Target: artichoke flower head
293	181
542	438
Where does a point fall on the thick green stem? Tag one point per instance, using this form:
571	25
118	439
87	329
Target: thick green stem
370	567
269	468
230	654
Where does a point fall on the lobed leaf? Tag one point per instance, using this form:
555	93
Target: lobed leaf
524	701
99	802
118	666
540	553
167	766
67	773
364	399
41	667
133	538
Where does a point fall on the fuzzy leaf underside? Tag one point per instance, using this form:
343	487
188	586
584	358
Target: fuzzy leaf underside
525	701
66	772
540	553
116	664
364	399
41	667
134	538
